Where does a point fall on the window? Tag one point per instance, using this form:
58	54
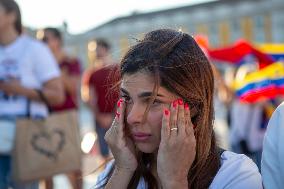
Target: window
246	26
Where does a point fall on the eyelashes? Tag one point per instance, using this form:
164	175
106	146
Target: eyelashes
128	100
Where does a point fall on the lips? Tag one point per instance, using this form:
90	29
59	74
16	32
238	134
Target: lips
141	137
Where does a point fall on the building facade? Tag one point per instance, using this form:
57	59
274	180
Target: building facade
222	21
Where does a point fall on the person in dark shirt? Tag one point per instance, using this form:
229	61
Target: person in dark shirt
70	74
102	97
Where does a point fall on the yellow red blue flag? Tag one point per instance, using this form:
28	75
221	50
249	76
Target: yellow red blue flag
263	84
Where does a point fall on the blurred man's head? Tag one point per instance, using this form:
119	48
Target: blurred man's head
102	49
10	16
53	38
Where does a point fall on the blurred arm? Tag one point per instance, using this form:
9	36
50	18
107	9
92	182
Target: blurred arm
52	89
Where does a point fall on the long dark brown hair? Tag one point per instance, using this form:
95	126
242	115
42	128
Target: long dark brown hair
10	6
179	65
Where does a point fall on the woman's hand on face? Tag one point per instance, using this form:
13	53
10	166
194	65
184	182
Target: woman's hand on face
121	145
177	147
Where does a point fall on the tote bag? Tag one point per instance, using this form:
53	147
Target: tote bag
46	147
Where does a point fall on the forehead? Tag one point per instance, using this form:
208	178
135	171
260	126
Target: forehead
2	9
140	82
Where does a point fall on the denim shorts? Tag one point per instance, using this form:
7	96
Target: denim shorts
102	143
5	176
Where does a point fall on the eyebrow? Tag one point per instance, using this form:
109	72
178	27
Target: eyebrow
142	95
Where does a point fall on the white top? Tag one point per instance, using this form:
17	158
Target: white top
237	172
272	166
32	63
246	124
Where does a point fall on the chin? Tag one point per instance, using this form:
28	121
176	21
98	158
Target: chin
146	148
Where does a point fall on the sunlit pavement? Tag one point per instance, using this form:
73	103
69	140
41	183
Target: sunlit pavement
90	163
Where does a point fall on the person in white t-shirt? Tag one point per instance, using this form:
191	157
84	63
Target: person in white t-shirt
247	126
162	135
272	167
246	133
25	65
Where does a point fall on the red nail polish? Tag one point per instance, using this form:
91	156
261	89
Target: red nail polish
175	104
118	103
180	101
186	106
167	112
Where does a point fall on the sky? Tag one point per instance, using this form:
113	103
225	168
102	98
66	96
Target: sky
83	15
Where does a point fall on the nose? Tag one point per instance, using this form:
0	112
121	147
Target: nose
135	115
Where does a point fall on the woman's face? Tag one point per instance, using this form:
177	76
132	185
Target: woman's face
137	89
52	42
6	19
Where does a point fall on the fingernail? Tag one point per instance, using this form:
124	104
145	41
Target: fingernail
167	112
180	101
117	114
186	106
175	104
121	100
118	103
